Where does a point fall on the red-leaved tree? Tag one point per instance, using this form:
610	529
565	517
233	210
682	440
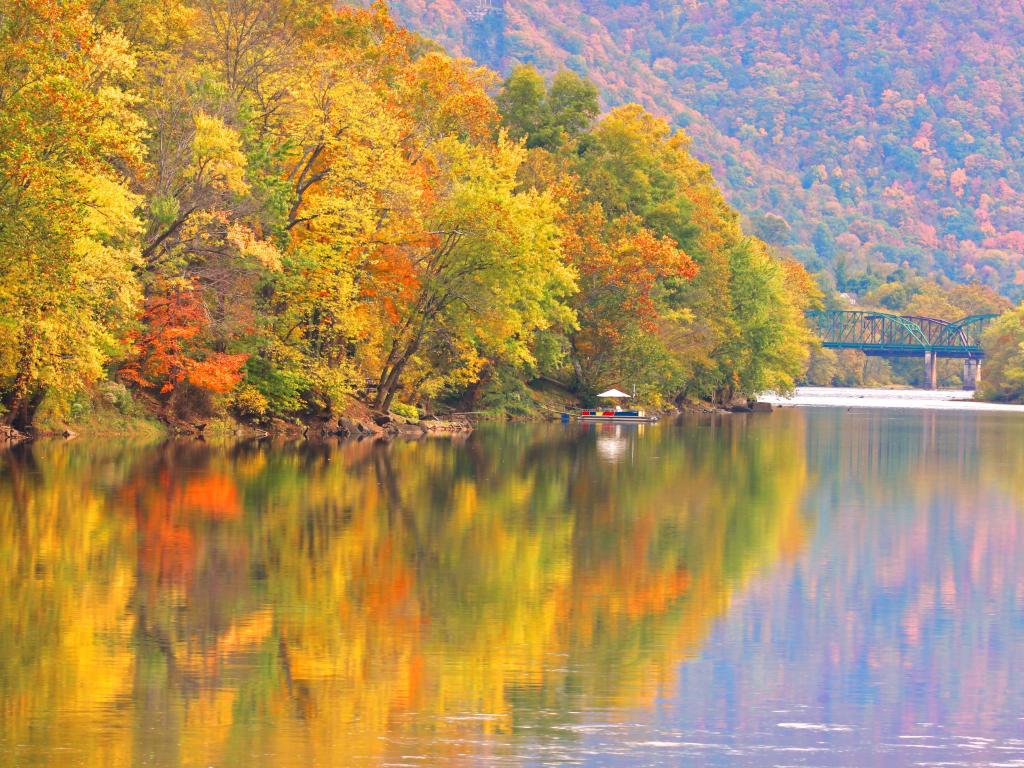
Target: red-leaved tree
171	356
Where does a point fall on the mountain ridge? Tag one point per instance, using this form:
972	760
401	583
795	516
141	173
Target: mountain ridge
858	134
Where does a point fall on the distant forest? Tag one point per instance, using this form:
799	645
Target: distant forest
864	135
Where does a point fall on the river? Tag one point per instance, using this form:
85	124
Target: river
935	399
826	586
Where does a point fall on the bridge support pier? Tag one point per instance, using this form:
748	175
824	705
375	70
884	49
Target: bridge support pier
931	370
972	373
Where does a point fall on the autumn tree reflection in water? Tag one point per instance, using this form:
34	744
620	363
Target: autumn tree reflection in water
183	604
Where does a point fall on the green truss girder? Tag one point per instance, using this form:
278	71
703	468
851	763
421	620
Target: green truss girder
881	333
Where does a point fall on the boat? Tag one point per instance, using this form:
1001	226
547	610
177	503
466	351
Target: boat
614	415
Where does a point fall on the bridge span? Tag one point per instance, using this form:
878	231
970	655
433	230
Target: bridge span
883	335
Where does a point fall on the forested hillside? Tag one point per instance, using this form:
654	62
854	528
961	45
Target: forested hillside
267	209
858	133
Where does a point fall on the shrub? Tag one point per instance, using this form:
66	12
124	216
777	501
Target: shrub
250	402
409	412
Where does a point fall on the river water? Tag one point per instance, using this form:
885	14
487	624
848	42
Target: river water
829	586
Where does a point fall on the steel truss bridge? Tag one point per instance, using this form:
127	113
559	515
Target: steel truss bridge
884	335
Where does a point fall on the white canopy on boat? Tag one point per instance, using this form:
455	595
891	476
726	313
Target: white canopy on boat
613	393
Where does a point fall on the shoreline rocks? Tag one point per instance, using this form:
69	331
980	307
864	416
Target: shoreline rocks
357	421
11	436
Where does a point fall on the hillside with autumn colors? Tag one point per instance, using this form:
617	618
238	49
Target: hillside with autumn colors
267	211
858	134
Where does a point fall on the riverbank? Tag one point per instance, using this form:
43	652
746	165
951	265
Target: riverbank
129	417
355	420
116	412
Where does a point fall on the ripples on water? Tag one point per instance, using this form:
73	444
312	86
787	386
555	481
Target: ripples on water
810	587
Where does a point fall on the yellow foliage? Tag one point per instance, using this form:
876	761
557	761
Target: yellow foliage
252	247
217	157
328	606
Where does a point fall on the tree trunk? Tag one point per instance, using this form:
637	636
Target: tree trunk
386	405
385	386
389	378
386	394
23	409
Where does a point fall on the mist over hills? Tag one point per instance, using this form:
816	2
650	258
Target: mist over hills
858	133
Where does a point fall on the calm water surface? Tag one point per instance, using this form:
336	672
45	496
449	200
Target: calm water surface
811	587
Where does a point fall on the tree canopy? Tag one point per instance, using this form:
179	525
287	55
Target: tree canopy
270	208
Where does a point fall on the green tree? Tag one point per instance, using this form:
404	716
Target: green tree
524	108
544	116
824	243
1003	378
573	103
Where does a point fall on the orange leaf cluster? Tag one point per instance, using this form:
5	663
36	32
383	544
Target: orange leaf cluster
620	266
169	351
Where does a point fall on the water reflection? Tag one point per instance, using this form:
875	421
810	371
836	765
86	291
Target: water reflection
183	604
896	638
807	580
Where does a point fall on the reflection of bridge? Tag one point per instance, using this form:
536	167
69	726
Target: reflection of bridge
884	335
